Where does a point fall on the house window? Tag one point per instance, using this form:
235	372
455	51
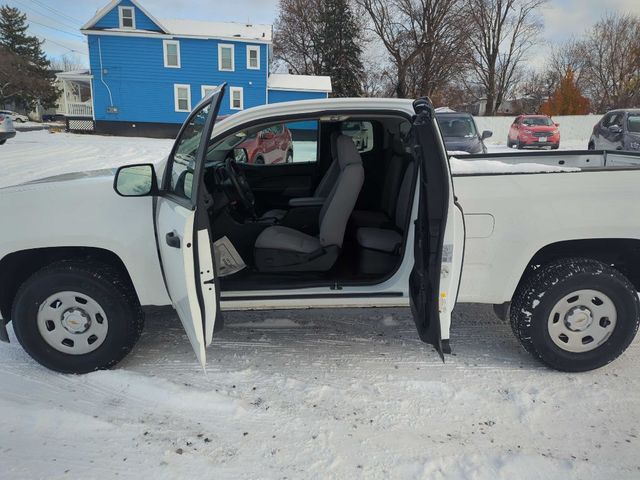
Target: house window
207	89
253	57
236	97
225	58
182	97
171	50
127	17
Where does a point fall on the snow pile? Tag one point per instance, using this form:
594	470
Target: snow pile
466	166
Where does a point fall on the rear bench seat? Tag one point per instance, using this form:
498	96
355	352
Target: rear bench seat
380	247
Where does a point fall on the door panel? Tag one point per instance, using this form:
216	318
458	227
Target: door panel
175	224
182	229
439	235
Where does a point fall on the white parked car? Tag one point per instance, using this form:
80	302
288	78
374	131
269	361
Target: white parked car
82	254
15	116
7	130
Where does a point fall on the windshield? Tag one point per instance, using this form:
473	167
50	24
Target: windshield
537	121
633	123
462	126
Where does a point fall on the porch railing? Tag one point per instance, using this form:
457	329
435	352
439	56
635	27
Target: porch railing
79	109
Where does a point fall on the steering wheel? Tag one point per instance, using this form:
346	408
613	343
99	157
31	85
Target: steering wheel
240	185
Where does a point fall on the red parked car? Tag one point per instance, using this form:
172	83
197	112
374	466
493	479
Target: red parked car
269	145
534	131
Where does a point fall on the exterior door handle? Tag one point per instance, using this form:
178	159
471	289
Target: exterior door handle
173	240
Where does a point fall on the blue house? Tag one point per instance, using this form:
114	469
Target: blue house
147	74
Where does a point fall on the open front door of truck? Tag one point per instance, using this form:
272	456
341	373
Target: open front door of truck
439	235
182	228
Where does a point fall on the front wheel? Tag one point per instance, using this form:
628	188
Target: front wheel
575	314
77	317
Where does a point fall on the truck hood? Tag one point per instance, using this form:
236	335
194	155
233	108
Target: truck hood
66	177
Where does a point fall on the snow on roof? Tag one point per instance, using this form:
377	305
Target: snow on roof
230	30
311	83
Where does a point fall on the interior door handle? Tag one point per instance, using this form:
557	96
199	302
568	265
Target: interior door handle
173	240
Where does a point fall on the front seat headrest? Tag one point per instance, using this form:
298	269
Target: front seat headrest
347	152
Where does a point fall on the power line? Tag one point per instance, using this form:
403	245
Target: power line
47	15
57	12
64	46
54	28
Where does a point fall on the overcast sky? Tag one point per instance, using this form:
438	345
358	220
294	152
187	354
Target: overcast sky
58	21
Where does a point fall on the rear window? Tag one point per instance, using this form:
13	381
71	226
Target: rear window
462	126
633	123
538	121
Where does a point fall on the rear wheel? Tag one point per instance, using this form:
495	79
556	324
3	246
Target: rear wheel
591	146
289	158
575	314
2	142
259	160
519	145
509	143
76	317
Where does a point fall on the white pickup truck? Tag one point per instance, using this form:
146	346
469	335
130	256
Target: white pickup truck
553	241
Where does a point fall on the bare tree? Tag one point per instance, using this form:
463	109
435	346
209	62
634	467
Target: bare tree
502	31
67	63
611	71
424	40
297	36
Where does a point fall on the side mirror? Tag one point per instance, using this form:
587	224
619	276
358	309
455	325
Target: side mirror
240	155
615	129
135	180
487	134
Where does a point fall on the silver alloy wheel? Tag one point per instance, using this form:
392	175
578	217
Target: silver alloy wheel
72	323
582	321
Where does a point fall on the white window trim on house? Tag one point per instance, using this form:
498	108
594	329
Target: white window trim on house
164	51
253	48
133	17
232	90
233	60
176	88
204	88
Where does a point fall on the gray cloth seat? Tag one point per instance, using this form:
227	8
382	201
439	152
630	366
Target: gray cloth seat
324	187
389	240
280	248
393	177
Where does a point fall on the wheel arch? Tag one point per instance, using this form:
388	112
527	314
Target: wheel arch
17	267
621	253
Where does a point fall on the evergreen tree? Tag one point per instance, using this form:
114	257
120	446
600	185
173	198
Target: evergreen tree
341	50
25	73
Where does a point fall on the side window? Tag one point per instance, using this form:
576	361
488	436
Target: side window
606	121
361	134
182	164
267	145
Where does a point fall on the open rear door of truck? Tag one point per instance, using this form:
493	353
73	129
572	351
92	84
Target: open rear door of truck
439	235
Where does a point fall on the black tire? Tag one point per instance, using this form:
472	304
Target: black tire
509	143
289	157
555	147
103	283
259	160
519	145
591	146
2	142
539	293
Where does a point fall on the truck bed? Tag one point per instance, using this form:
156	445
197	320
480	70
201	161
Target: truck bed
516	204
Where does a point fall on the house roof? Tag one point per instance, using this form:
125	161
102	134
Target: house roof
110	6
309	83
186	28
230	30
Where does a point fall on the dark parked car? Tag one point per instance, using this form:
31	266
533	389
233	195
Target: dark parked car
534	131
617	130
53	117
461	134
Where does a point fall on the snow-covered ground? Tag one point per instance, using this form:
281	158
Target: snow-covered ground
307	394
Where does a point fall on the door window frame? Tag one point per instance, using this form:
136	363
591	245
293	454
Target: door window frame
165	189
